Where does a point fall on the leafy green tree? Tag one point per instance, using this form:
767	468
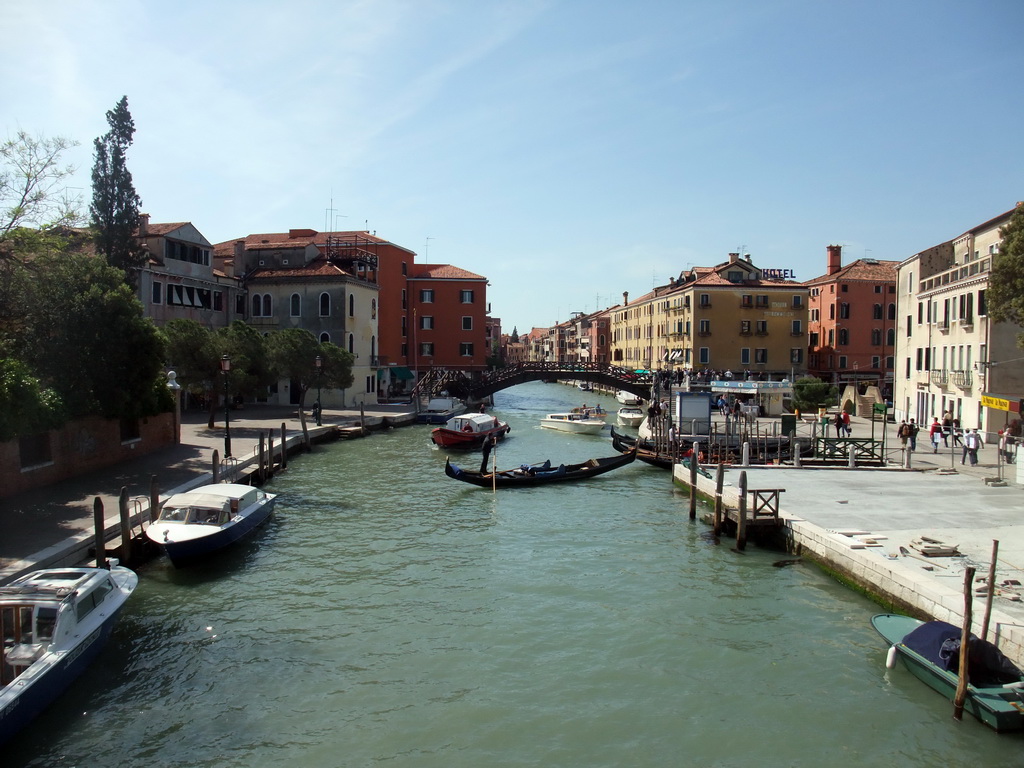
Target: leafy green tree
26	407
251	373
293	352
87	338
811	393
514	338
33	190
194	352
115	204
1005	295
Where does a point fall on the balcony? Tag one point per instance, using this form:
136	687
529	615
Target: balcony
942	325
963	379
967	323
940	377
703	333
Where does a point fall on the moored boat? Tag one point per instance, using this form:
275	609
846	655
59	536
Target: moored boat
53	623
630	415
468	431
539	474
205	520
931	651
440	409
575	421
627	398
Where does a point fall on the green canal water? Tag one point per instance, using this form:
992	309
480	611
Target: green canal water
389	616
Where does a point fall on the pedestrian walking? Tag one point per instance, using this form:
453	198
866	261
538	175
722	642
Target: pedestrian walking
958	433
846	424
947	427
903	433
913	435
838	422
935	434
972	442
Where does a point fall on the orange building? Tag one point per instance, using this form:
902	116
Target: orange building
449	318
852	321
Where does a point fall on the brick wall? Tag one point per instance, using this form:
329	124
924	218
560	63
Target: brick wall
81	447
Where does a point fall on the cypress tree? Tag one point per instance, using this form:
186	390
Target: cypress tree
115	204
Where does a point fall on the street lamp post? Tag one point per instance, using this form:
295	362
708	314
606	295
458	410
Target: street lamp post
319	372
225	367
175	387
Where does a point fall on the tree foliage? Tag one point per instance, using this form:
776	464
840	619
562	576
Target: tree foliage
1005	295
115	204
811	393
33	192
293	353
26	407
87	338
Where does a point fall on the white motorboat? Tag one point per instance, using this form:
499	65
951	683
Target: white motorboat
204	520
580	423
53	623
627	398
631	415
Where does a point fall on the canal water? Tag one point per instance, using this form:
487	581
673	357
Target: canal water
388	615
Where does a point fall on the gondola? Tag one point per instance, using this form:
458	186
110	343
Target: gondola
539	474
645	451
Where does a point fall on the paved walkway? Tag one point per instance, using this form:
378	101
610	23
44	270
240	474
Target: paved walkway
37	520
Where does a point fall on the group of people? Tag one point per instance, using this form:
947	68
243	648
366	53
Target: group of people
842	424
940	433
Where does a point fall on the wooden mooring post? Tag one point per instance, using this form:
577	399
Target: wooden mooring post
97	525
270	455
741	519
965	638
262	468
216	466
284	446
693	480
719	482
126	525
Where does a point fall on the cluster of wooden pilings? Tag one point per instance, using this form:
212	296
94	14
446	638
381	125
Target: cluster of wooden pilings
762	510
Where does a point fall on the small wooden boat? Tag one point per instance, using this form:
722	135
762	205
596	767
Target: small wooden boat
539	474
631	415
54	622
205	520
931	651
578	422
468	431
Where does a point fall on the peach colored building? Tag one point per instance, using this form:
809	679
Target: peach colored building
852	321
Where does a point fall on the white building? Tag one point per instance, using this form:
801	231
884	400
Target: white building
950	355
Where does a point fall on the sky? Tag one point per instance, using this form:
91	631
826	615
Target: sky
567	150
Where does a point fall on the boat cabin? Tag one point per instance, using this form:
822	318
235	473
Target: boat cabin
210	505
474	423
43	608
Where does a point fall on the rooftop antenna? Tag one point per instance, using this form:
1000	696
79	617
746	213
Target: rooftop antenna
338	216
328	212
426	250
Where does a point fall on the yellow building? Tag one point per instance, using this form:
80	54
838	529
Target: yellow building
727	317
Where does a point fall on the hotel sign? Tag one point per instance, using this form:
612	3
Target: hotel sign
779	274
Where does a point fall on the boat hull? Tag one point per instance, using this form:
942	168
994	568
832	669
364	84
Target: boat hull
588	427
997	707
447	438
539	474
190	551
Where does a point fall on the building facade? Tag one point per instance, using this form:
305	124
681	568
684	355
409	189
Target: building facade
951	356
727	317
851	322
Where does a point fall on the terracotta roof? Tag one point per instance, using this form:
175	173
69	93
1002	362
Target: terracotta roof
317	268
443	272
869	270
298	238
163	229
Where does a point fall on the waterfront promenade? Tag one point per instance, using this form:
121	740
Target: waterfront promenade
38	524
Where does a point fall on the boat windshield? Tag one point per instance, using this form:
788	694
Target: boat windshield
189	514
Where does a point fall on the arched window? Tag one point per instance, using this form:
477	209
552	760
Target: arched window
890	337
257	305
268	307
373	309
325	338
296	305
892	311
352	343
325	305
351	305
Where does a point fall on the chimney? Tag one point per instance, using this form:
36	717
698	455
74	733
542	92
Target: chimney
835	258
733	257
747	257
143	224
625	298
239	250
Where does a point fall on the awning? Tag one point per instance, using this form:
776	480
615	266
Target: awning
996	402
400	372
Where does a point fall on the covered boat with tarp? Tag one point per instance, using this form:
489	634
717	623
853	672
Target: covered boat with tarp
931	651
